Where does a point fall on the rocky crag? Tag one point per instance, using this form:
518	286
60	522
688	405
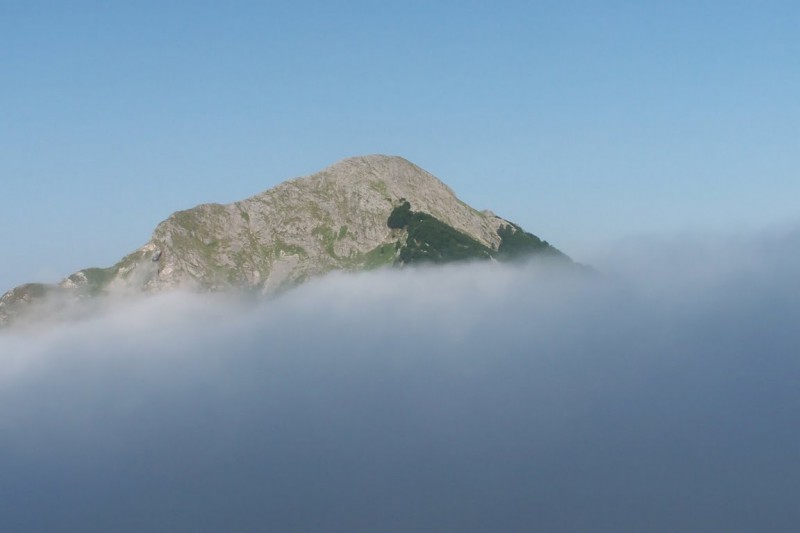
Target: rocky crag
361	213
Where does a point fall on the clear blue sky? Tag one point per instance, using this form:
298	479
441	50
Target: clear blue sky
583	121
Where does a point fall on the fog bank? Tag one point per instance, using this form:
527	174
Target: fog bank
659	394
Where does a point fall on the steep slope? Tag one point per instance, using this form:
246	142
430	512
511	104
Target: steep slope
336	219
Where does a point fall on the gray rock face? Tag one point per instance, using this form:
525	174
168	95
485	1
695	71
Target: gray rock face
332	220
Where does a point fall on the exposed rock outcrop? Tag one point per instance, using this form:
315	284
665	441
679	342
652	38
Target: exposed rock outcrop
335	219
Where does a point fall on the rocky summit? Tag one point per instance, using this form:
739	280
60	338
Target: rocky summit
358	214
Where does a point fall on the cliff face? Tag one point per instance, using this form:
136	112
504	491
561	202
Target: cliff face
335	219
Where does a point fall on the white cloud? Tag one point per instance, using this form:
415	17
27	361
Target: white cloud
659	395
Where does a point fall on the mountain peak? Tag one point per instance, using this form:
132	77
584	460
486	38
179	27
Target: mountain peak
335	219
374	160
398	174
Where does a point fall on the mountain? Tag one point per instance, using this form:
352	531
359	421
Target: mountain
358	214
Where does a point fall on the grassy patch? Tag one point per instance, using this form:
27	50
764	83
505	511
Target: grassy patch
287	249
380	187
328	238
378	257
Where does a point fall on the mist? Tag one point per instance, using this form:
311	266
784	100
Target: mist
658	393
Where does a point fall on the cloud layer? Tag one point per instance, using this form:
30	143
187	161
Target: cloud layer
661	395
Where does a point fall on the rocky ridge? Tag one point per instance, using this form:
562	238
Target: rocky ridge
335	219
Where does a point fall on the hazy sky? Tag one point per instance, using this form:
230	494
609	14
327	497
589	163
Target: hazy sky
582	121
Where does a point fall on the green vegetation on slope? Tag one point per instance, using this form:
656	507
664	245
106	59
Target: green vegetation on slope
431	240
400	216
98	278
380	256
516	243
